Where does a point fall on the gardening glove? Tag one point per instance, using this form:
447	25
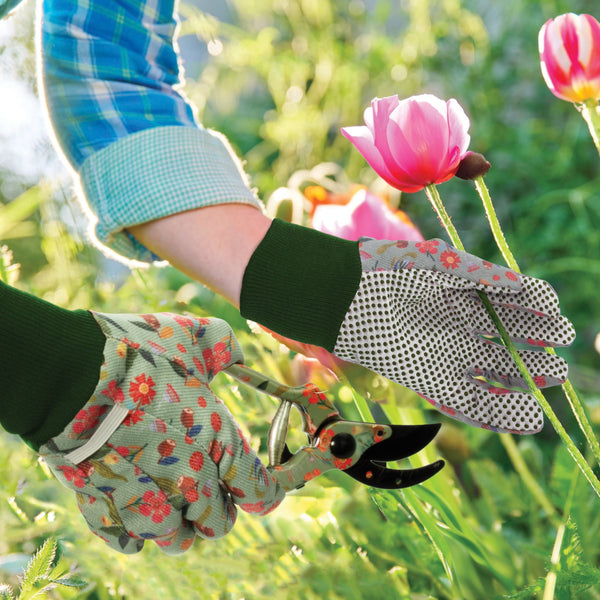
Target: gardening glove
410	312
417	319
154	455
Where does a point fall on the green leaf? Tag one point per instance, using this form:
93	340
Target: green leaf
130	356
430	526
169	486
42	561
178	369
6	592
113	513
113	531
147	356
113	323
69	581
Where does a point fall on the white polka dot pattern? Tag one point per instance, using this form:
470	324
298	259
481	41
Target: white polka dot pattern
417	320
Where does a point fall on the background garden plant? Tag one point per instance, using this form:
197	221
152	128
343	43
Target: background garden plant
282	80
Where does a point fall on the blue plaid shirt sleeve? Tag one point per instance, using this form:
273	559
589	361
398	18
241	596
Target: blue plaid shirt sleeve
112	85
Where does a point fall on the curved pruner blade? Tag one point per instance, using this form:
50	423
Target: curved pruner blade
376	475
404	441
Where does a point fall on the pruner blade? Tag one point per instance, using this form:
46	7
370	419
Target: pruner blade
376	475
404	441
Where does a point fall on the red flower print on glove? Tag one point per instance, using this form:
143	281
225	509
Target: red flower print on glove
428	246
85	420
450	259
114	392
141	389
216	358
155	505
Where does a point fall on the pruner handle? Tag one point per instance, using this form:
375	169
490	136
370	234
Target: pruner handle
313	404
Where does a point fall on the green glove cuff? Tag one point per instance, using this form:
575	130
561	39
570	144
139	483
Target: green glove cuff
51	359
300	282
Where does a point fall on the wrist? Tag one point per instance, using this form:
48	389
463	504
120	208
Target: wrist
300	282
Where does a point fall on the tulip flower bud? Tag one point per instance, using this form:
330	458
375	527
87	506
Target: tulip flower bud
569	48
472	166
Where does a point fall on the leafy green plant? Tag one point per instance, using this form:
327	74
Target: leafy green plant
43	573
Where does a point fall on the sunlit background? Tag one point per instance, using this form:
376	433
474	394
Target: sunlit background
279	78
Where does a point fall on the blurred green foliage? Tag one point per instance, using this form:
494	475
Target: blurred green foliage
286	75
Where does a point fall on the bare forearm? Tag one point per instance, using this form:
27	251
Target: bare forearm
212	245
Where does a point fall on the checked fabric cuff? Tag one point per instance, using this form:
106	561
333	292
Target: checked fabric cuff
156	173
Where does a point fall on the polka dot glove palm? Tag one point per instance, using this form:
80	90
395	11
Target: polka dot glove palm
417	320
154	455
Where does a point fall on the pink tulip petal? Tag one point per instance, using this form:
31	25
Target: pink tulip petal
593	59
331	219
365	215
362	138
381	113
410	171
419	136
458	128
413	142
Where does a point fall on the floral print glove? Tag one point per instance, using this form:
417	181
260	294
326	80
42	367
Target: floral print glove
417	320
154	455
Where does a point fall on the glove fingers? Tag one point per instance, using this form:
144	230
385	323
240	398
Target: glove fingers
102	518
236	476
144	504
536	295
198	455
497	397
96	508
505	412
511	412
495	368
189	498
523	325
124	504
251	485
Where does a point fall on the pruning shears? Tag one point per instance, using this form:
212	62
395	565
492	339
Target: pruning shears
359	449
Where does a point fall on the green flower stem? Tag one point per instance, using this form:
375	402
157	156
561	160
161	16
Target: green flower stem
552	576
444	217
589	110
570	393
492	218
435	199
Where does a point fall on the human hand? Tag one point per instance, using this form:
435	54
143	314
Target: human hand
417	320
154	455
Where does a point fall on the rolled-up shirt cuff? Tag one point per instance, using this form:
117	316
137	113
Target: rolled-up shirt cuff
156	173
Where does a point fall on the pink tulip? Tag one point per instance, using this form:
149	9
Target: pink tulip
414	142
570	56
365	215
